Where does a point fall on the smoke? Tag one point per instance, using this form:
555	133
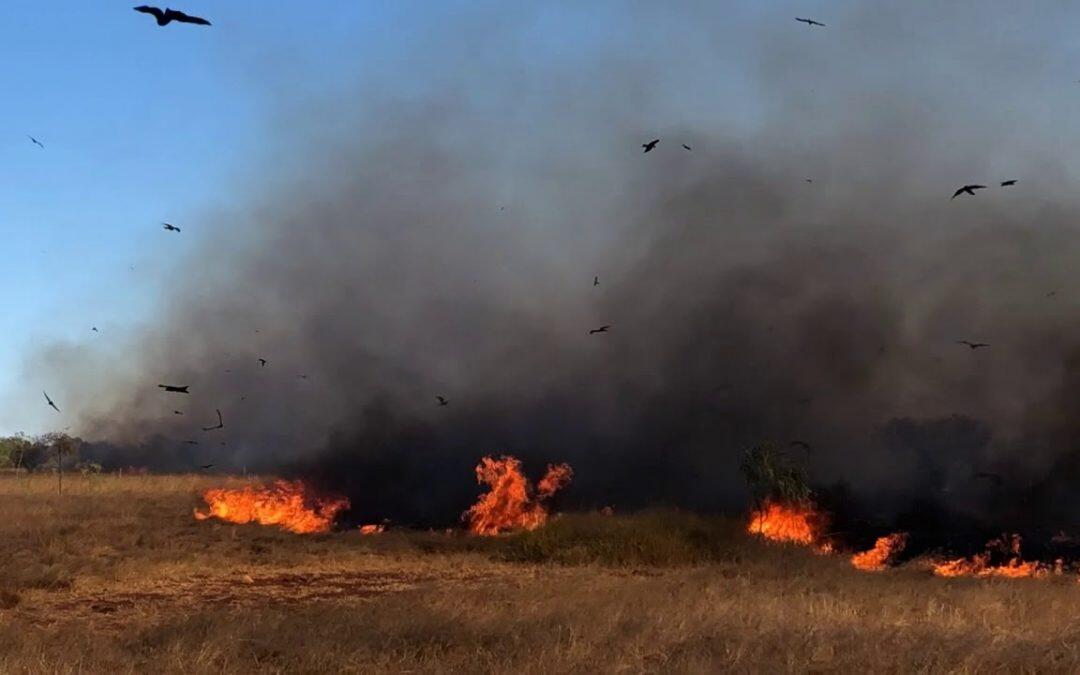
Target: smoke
444	243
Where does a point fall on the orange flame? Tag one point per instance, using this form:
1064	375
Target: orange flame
287	504
979	565
792	523
372	529
509	504
885	550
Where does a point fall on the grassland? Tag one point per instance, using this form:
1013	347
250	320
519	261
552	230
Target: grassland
116	576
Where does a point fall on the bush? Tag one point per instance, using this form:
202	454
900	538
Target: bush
660	538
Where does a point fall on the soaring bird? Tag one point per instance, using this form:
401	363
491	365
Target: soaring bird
810	22
687	147
601	329
177	412
220	423
169	15
175	389
442	401
596	281
191	442
206	466
50	402
968	189
1007	183
972	345
263	362
94	328
36	142
170	227
650	145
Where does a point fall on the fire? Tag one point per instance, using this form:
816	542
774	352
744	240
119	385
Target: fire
510	503
793	523
885	550
288	504
980	565
372	529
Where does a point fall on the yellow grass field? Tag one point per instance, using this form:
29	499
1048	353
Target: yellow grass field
116	576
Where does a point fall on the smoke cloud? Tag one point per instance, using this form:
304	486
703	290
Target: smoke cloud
801	274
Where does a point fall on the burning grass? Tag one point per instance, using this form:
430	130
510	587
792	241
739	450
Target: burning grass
116	576
290	505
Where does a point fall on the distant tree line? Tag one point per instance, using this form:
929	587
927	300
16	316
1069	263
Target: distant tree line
45	452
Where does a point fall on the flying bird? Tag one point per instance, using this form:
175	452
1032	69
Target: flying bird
220	423
686	146
191	442
650	145
1007	183
972	345
601	329
175	389
50	402
170	227
206	466
967	189
1051	294
177	412
810	22
94	328
36	142
169	15
263	362
596	281
442	401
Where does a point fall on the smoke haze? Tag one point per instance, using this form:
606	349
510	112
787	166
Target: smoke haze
443	241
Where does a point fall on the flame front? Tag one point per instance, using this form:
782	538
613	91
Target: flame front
372	529
980	565
287	504
791	523
885	550
509	504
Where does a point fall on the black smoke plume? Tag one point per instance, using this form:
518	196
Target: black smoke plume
445	243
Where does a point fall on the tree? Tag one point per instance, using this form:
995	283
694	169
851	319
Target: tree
771	475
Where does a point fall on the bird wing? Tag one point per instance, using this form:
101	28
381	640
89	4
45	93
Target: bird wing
176	15
816	23
147	9
959	192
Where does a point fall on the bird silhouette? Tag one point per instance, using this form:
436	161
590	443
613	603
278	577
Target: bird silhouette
810	22
1051	294
650	145
169	15
601	329
175	389
972	345
206	466
1007	183
967	189
50	401
442	401
94	328
170	227
220	423
687	146
263	362
596	281
36	142
190	442
177	412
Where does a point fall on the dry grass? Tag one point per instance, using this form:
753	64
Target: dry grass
116	576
